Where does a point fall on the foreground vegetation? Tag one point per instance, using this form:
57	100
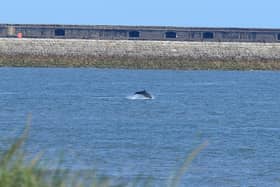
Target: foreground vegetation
15	171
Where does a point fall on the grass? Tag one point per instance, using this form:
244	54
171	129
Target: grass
15	171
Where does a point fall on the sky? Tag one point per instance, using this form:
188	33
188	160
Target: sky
195	13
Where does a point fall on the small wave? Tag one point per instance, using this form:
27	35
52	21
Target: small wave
104	97
138	97
7	93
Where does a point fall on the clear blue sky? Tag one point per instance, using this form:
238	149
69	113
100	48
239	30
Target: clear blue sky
210	13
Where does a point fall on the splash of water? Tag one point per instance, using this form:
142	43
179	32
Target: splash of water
138	97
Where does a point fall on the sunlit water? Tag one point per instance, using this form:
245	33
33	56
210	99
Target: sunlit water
93	117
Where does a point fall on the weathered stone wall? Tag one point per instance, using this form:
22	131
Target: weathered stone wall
139	54
155	33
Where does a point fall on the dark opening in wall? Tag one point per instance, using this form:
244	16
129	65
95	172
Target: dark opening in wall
208	35
170	35
278	36
252	36
134	34
59	32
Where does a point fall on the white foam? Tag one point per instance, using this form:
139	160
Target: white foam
138	97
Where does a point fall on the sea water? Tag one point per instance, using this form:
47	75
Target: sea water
93	117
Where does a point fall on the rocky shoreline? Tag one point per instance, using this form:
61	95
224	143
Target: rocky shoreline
139	54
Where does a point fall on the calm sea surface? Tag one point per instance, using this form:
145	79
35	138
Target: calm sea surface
90	117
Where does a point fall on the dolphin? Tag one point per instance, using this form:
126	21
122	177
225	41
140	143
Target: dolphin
144	93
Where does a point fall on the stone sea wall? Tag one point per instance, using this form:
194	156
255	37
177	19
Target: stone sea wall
138	54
